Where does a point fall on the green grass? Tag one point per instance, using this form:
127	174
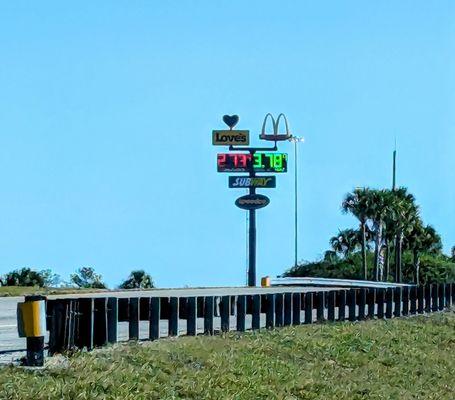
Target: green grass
407	358
6	291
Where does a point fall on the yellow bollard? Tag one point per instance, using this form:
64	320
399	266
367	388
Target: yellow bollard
31	324
265	281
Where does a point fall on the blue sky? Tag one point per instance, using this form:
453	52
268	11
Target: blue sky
106	112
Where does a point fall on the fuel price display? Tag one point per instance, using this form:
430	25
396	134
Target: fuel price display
256	162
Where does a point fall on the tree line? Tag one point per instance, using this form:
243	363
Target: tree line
390	243
85	278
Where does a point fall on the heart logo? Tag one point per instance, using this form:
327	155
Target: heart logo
231	120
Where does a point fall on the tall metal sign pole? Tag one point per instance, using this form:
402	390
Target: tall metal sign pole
295	140
252	238
253	160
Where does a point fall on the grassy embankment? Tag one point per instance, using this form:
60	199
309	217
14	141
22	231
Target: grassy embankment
6	291
407	358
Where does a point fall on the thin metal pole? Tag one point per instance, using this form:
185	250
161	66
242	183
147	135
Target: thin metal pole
295	206
394	179
252	238
296	140
247	241
252	246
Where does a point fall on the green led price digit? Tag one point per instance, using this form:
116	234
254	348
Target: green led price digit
257	162
269	156
278	162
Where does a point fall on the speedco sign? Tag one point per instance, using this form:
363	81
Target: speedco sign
252	182
252	201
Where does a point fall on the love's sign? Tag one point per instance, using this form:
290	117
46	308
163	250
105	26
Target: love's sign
230	137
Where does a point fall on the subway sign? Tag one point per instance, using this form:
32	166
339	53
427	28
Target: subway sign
252	182
230	137
257	162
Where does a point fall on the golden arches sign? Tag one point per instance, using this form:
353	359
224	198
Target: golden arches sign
275	136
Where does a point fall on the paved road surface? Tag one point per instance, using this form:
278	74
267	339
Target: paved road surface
9	340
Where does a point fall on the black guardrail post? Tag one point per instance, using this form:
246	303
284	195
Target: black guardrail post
389	303
100	322
320	305
398	301
296	308
279	310
442	296
331	305
225	311
85	334
133	312
209	309
191	316
434	298
200	301
362	299
270	311
241	312
380	300
256	312
308	307
112	319
420	299
57	328
352	304
405	302
154	321
173	323
428	297
341	305
371	300
413	299
287	309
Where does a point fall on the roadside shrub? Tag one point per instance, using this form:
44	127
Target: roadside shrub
137	279
433	268
50	279
24	277
86	277
332	266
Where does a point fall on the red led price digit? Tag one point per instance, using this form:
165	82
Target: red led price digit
221	161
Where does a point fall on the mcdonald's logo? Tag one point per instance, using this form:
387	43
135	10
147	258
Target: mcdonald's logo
275	136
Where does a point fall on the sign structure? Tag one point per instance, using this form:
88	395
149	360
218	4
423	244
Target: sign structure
253	161
252	201
256	162
230	137
240	182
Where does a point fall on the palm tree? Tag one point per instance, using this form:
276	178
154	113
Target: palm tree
422	239
381	206
389	235
357	203
405	213
345	242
